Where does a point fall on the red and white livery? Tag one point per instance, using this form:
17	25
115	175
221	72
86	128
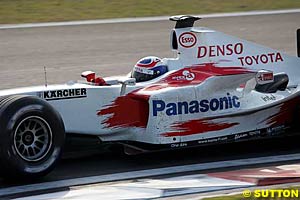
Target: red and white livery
218	89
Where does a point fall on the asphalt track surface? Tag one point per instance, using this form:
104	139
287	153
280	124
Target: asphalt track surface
112	49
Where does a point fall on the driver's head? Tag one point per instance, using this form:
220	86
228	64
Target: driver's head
148	68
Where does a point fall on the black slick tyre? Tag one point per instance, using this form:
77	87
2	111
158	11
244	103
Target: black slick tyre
32	137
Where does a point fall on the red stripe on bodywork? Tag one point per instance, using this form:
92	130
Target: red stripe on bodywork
219	71
287	113
198	126
201	73
131	110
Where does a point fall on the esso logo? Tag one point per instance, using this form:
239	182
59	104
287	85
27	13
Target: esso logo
187	40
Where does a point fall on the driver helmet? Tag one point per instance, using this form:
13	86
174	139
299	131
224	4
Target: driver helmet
148	68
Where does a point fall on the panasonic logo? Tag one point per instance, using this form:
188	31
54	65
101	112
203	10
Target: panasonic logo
204	105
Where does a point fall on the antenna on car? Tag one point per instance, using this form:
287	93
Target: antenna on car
298	42
45	72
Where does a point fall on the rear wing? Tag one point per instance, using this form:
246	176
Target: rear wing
184	21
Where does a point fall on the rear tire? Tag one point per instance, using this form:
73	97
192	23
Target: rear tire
32	137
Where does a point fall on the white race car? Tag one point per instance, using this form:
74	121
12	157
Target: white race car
218	89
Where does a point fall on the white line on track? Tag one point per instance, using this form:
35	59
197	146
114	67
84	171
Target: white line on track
145	173
143	19
145	188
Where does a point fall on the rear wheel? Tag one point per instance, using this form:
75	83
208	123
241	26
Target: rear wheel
32	137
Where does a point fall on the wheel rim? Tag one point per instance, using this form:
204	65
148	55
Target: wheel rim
33	138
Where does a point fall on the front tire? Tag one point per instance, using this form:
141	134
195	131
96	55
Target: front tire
32	137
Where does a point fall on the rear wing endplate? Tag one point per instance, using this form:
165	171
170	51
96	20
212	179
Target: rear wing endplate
184	21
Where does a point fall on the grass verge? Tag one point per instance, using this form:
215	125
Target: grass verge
25	11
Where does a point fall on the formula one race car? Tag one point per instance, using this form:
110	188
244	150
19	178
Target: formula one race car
218	89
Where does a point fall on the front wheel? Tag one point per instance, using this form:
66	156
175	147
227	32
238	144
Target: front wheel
32	137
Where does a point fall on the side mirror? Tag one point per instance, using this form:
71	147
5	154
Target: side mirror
89	75
91	78
126	81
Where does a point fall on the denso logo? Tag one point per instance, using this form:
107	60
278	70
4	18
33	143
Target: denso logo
204	105
187	39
